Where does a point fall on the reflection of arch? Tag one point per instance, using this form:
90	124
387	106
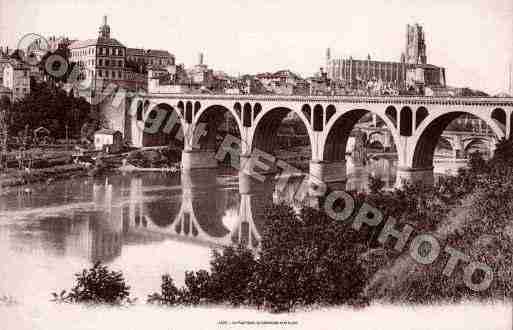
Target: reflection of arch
421	114
266	128
391	113
406	122
339	129
429	132
206	213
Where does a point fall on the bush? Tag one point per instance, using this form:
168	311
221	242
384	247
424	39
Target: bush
305	259
97	285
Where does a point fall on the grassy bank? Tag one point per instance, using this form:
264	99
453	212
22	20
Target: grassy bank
14	178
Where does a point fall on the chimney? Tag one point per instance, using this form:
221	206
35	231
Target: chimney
200	58
105	20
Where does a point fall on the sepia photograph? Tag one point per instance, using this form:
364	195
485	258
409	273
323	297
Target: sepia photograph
239	164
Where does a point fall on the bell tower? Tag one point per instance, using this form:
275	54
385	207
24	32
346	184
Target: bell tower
104	29
415	45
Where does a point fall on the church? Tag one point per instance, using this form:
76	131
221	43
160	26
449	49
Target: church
411	73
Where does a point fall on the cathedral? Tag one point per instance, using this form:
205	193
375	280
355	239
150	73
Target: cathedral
411	73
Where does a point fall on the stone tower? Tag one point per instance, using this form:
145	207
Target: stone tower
415	45
105	29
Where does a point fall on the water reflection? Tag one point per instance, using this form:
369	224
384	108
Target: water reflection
145	225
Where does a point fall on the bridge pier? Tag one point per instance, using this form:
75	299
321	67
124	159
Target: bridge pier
196	159
333	174
414	175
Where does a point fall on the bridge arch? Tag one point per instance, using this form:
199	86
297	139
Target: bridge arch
469	143
391	114
374	142
499	115
339	128
211	119
406	121
267	123
420	115
425	138
161	125
233	111
446	142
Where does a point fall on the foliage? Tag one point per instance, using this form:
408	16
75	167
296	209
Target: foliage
376	184
480	228
97	285
305	259
51	107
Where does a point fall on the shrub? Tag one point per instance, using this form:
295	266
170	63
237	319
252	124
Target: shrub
307	259
376	184
97	285
169	293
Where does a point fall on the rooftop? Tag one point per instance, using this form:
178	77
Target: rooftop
148	52
96	42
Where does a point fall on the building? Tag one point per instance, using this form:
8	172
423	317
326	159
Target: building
412	72
105	60
101	58
16	77
283	82
108	138
153	57
201	74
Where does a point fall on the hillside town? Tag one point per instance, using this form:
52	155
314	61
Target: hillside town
104	59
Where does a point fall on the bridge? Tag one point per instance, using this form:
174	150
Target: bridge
460	143
415	125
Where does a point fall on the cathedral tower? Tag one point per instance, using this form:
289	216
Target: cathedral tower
415	45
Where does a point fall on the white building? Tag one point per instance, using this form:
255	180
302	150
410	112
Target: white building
16	77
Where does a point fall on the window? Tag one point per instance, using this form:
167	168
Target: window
120	63
106	73
100	73
119	74
107	62
100	62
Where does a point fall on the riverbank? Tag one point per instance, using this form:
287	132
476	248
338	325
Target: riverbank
14	178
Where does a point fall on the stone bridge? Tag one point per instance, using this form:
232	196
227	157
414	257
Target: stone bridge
459	142
415	124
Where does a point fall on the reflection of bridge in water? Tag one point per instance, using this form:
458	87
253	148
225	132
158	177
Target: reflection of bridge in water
198	217
151	208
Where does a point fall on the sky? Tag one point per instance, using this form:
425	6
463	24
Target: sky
472	39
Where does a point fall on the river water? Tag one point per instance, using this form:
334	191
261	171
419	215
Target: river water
145	225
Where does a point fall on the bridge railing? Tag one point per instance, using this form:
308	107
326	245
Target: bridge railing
342	98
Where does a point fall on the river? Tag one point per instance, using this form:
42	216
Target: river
145	225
